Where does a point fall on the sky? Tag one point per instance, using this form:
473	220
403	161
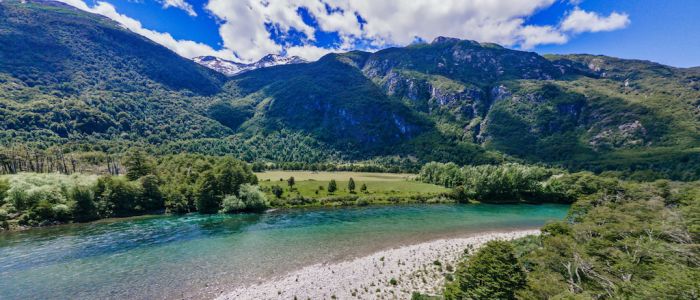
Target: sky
667	32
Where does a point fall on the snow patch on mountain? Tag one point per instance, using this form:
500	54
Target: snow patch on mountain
231	68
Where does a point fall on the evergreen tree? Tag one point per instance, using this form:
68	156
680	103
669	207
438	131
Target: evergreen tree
291	183
332	186
351	185
138	164
277	191
363	188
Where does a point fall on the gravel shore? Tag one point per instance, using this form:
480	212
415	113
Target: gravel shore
419	267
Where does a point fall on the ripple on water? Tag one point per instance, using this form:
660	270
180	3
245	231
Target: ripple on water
185	256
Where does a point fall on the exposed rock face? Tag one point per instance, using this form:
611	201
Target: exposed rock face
623	136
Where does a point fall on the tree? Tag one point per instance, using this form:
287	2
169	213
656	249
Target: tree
493	272
4	187
208	200
291	183
253	198
277	191
151	196
232	204
231	173
83	207
332	186
363	188
138	164
351	185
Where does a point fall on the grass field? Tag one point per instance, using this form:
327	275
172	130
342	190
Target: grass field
338	176
381	187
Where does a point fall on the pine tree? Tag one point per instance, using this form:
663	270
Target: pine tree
291	183
351	185
332	186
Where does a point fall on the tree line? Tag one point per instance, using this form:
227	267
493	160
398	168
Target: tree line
174	184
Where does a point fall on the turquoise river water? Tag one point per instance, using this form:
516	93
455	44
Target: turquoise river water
196	256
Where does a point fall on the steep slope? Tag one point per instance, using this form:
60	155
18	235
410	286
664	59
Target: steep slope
335	103
577	111
81	82
69	76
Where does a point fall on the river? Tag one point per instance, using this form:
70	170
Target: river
198	256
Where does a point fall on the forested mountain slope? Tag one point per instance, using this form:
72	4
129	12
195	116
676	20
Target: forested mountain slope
81	82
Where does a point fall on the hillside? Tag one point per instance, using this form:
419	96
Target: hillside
78	81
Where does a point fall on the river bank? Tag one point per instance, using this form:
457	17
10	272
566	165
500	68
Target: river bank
388	274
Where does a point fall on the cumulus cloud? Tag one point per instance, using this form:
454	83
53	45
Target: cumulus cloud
579	21
245	25
181	4
184	48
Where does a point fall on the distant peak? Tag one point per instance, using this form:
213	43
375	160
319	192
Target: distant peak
445	39
231	68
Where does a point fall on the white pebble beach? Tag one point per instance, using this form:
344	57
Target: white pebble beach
414	268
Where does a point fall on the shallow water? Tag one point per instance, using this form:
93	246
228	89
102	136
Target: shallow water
196	256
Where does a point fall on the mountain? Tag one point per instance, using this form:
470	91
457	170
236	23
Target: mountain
80	82
230	68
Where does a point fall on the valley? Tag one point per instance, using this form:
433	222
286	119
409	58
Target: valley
138	165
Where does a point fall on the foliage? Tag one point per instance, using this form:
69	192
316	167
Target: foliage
621	240
496	183
332	186
137	164
351	185
175	184
493	272
232	204
254	199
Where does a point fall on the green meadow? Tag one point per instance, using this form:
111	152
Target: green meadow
381	187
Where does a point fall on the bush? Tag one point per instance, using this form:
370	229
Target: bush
83	204
254	199
232	204
493	272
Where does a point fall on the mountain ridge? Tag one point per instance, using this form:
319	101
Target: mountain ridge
87	84
231	68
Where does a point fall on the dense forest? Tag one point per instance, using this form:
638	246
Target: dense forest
80	82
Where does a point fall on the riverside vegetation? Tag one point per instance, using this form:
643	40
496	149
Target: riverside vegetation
621	240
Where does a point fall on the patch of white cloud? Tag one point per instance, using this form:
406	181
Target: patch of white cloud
185	48
180	4
244	24
579	21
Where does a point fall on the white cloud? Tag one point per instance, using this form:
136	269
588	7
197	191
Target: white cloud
244	24
579	21
181	4
184	48
308	52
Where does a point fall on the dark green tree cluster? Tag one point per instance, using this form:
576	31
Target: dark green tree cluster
494	272
497	183
622	241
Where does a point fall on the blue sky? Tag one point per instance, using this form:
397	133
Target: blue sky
663	31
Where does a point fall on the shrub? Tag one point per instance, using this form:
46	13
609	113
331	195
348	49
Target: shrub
253	198
493	272
232	204
83	204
